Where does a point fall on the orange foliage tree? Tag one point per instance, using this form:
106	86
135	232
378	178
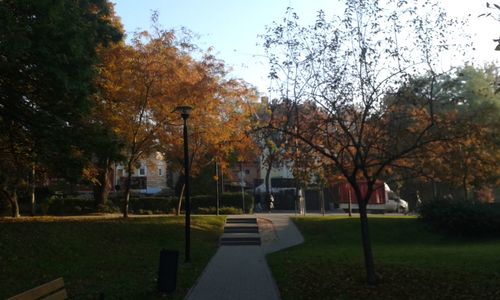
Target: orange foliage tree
468	157
142	84
218	123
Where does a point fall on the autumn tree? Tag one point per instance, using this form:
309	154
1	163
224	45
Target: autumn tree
141	84
218	123
346	66
48	58
469	157
101	144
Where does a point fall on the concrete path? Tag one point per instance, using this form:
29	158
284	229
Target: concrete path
241	272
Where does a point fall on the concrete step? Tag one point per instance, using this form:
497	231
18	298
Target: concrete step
242	220
241	229
240	243
240	239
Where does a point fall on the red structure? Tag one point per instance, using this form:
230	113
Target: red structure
345	193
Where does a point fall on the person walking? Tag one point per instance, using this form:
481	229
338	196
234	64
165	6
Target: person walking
271	202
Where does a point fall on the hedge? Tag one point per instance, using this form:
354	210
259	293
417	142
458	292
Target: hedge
226	200
462	217
222	210
230	203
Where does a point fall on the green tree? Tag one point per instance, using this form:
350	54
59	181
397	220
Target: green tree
469	157
48	54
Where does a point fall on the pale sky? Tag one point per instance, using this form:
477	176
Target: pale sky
232	27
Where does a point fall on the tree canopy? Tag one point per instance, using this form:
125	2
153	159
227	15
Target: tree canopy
346	66
48	57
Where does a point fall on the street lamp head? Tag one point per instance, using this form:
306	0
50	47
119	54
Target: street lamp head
184	110
497	48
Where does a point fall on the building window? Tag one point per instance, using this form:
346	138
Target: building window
160	171
142	171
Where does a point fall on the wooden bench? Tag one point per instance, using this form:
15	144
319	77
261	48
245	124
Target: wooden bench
53	290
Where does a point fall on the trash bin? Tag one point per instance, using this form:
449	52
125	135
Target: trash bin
167	274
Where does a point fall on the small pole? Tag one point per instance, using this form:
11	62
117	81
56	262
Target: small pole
184	111
242	186
217	186
188	205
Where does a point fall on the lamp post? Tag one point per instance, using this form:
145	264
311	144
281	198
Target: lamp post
242	184
184	111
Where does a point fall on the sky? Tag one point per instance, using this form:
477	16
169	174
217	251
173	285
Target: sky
232	27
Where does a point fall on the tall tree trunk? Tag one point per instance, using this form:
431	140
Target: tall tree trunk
466	190
128	181
11	196
180	200
222	182
32	190
434	189
14	204
371	278
367	246
102	188
303	200
349	205
464	182
322	199
268	191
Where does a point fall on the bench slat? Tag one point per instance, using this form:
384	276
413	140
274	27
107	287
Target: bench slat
41	290
61	295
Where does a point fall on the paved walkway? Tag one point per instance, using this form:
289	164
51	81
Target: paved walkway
241	272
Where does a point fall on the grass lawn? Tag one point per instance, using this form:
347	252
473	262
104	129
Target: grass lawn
116	257
412	262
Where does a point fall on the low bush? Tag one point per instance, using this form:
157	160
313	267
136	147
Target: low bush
222	210
66	206
108	208
161	204
230	203
233	200
463	217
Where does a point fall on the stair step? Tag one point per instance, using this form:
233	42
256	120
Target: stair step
241	229
241	220
240	243
240	239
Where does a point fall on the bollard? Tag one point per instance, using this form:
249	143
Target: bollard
167	274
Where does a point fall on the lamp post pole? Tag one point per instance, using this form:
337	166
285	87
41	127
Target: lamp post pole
185	110
242	184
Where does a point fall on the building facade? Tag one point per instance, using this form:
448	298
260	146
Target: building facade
149	177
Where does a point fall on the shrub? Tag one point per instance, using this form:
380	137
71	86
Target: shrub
227	200
150	204
222	210
57	205
461	216
225	210
203	202
234	200
108	208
